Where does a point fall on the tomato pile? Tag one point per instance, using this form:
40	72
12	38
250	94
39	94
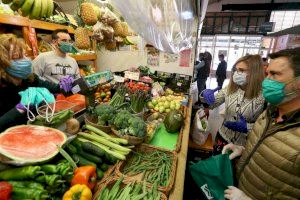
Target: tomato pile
134	86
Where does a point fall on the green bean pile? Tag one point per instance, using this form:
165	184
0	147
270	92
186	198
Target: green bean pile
154	166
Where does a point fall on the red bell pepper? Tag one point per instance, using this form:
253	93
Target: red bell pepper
5	190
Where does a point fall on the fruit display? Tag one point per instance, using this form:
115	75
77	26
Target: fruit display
82	39
165	104
103	93
35	9
88	13
86	70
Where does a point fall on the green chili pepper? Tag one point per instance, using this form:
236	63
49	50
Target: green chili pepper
51	180
27	184
21	193
21	173
50	169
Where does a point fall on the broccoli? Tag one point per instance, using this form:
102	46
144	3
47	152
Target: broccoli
106	114
137	127
121	119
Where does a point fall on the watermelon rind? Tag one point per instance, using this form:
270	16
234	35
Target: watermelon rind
23	161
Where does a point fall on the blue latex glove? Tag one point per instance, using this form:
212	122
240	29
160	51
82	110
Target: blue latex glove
65	83
239	126
209	96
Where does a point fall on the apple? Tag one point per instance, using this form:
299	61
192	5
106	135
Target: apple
154	102
156	108
166	104
161	109
172	106
168	110
150	105
177	106
161	104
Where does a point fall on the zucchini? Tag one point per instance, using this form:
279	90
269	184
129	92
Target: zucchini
90	157
89	147
104	167
71	149
77	144
82	161
100	174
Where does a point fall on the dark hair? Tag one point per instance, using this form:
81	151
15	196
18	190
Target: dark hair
221	56
55	32
265	59
293	56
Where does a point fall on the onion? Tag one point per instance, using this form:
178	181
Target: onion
73	126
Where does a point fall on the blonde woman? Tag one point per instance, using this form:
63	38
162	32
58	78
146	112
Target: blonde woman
243	101
16	76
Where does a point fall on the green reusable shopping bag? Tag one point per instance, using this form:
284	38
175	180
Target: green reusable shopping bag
213	175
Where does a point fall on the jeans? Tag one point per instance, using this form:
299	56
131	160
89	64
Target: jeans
220	82
201	84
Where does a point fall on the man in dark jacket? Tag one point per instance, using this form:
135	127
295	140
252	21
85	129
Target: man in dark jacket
203	70
221	71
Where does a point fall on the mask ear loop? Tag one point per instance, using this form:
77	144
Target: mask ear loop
48	119
29	112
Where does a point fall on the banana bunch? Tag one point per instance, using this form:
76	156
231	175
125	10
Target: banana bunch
126	41
35	9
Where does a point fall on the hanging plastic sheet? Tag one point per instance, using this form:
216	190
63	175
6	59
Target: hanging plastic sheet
166	24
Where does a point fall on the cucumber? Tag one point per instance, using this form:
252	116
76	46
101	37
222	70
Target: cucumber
82	161
90	157
77	144
100	174
89	147
104	167
71	149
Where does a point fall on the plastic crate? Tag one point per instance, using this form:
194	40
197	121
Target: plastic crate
98	78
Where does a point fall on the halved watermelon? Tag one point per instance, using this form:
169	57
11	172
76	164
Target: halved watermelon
30	143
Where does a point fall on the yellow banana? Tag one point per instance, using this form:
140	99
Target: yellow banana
44	8
26	7
50	8
36	9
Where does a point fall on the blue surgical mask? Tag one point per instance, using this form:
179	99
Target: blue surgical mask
21	68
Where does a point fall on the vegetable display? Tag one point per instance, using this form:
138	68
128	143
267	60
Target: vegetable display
127	124
85	175
131	191
137	100
155	166
81	192
173	121
105	114
119	97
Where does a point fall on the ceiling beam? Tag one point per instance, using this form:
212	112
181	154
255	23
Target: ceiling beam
261	6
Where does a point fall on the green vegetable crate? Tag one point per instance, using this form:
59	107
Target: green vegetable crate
109	188
165	173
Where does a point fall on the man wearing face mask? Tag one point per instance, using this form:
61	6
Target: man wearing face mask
54	65
270	164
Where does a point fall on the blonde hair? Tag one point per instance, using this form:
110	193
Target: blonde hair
254	78
9	44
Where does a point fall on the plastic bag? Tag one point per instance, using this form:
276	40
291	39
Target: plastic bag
213	175
166	24
194	92
200	127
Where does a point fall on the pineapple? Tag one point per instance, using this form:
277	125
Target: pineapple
125	31
111	45
88	14
118	28
82	39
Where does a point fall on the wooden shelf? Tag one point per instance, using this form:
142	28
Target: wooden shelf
14	20
84	57
38	24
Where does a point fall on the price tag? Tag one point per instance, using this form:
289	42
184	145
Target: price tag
76	89
132	75
119	79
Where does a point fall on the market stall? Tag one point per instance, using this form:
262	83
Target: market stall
119	135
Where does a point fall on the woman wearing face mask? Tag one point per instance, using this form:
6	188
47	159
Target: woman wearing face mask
17	79
243	101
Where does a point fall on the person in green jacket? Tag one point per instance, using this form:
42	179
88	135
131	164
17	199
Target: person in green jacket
16	76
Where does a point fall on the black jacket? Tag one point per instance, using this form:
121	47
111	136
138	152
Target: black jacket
221	70
9	98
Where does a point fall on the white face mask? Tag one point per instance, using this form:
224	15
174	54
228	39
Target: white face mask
240	78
